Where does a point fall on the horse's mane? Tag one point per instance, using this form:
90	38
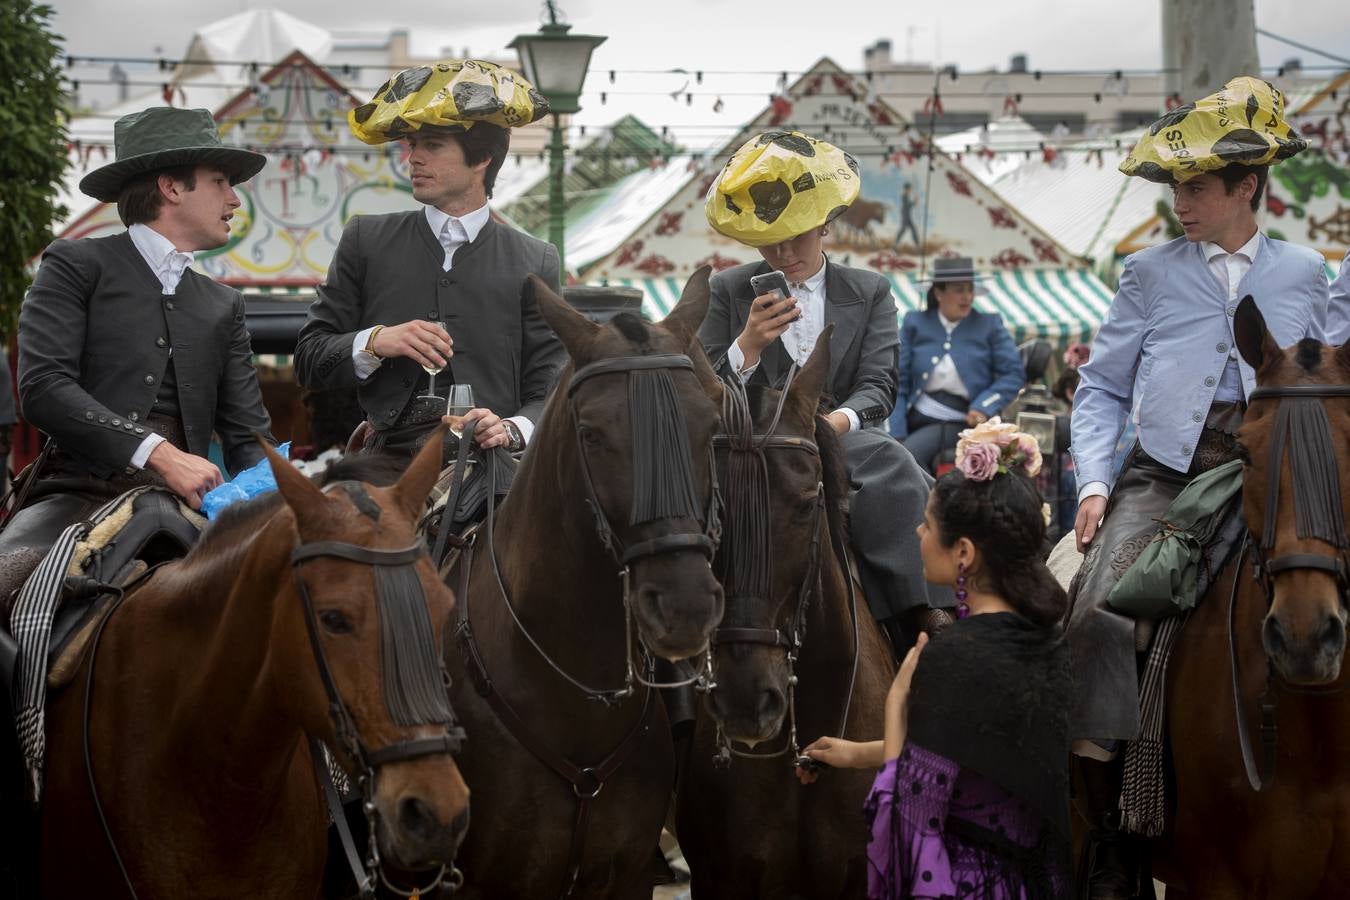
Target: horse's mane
763	401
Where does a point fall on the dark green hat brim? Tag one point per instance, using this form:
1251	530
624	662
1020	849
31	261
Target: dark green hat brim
105	183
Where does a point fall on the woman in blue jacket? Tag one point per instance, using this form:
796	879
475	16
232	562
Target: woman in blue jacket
958	366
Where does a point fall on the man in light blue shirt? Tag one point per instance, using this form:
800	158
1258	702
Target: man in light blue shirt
1165	358
1338	307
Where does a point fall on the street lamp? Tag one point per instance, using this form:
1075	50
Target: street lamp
555	62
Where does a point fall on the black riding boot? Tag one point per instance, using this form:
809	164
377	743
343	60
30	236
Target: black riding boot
1111	866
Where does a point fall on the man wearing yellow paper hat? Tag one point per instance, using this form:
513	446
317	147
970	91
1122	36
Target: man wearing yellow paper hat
444	285
1166	355
779	193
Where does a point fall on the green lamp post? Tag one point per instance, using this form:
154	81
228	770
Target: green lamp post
555	62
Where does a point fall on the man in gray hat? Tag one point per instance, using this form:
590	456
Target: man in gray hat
128	359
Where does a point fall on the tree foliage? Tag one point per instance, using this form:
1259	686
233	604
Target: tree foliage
33	149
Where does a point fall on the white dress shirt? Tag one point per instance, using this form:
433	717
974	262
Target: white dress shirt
1228	269
168	263
800	337
945	378
453	233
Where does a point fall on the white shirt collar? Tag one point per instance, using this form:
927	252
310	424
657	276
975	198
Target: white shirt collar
164	259
813	284
1248	249
948	323
472	222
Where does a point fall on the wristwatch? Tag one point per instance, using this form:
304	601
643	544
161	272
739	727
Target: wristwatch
370	342
515	441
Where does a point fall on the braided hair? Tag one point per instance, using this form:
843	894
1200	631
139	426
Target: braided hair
1002	517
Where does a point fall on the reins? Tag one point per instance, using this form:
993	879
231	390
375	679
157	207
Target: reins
750	560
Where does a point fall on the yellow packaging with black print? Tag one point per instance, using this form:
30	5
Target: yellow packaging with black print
778	185
452	96
1242	123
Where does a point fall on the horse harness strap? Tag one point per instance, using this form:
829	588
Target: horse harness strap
586	781
1261	774
449	742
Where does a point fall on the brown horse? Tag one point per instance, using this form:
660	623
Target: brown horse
1287	600
612	514
182	743
797	652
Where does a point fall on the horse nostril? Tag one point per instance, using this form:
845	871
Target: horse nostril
1333	635
771	705
416	819
1273	633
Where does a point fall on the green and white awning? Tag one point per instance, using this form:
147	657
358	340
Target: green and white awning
1060	305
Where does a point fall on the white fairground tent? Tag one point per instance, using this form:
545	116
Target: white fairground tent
908	205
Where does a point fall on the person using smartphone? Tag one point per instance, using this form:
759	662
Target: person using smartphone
779	194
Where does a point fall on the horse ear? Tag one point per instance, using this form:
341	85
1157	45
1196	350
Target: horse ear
707	376
1253	339
687	317
410	493
805	390
301	495
572	328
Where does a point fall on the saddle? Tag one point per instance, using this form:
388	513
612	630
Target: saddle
130	535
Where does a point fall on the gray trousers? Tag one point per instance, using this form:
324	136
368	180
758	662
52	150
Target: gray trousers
1101	640
886	503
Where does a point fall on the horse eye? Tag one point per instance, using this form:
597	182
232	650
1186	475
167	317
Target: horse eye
335	622
590	438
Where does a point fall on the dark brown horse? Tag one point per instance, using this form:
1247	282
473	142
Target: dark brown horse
1287	600
783	664
611	517
181	742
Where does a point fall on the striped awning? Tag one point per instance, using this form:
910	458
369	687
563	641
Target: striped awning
1060	305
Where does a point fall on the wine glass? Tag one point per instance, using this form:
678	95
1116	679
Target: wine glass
433	371
457	406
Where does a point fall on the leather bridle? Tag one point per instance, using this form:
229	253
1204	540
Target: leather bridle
1264	571
790	640
366	760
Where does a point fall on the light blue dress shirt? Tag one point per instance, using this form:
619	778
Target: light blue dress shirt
1338	308
1166	340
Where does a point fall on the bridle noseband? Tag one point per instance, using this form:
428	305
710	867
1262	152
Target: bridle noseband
366	760
741	438
1260	775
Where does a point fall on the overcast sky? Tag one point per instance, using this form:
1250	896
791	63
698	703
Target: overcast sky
728	35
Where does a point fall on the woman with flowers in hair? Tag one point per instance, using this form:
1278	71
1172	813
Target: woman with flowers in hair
972	797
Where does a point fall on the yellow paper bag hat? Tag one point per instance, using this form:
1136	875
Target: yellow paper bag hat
452	95
1243	123
778	185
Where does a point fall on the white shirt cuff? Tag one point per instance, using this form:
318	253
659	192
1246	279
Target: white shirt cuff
736	357
525	425
854	423
142	454
1093	489
364	363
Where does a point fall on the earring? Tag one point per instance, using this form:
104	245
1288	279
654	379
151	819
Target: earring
962	609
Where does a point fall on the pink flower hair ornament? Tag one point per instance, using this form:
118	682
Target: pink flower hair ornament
996	446
1076	355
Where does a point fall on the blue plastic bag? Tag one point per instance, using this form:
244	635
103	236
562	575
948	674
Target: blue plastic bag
250	483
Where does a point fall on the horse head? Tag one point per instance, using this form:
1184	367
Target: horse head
358	628
1295	441
779	467
643	404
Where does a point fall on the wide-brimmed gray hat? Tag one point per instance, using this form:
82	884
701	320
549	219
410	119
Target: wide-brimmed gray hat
162	137
947	270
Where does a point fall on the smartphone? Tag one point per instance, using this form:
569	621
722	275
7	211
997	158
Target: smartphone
769	282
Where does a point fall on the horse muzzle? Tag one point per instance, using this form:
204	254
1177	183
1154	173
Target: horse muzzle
1305	654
